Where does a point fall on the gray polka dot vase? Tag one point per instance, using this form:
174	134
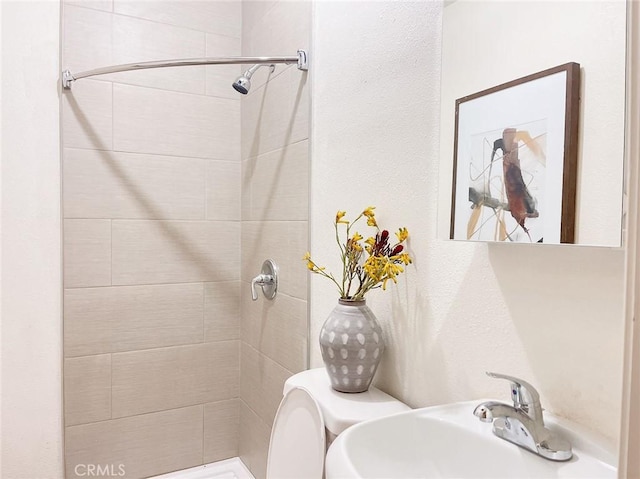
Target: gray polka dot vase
352	345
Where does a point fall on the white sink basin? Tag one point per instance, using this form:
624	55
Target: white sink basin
450	442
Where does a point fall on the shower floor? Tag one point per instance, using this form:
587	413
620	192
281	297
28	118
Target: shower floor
228	469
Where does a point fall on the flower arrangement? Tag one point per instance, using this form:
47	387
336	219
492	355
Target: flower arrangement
368	265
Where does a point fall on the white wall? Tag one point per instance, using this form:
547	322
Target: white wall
551	315
502	41
31	284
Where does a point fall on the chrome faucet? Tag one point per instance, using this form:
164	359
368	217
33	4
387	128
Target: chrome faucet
522	423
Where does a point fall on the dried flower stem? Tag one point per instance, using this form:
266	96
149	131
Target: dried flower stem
382	264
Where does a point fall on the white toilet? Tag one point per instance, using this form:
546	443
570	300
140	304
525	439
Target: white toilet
310	417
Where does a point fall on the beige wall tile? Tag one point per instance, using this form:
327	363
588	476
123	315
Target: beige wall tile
279	26
300	110
245	190
276	114
222	311
158	379
106	184
135	185
222	17
87	253
87	38
254	441
143	445
223	190
136	40
279	183
282	26
252	14
261	382
106	5
183	124
87	115
275	26
151	252
87	389
283	241
278	329
220	77
126	318
221	430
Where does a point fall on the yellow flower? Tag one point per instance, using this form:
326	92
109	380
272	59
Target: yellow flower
374	267
339	216
313	267
387	278
356	246
405	258
383	263
402	234
391	270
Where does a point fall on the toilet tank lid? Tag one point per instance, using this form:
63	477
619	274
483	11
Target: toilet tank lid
342	410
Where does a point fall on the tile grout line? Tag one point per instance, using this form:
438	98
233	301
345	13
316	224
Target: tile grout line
275	150
203	452
183	283
180	283
206	192
111	386
231	100
113	121
113	12
153	348
176	157
111	251
160	411
143	19
157	88
204	312
167	220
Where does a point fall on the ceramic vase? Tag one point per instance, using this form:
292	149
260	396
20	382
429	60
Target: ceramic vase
352	345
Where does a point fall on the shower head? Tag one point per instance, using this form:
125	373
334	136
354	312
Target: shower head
243	82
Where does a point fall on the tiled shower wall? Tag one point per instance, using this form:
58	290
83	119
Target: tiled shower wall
152	233
275	179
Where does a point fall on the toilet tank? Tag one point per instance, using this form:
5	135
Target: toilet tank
342	410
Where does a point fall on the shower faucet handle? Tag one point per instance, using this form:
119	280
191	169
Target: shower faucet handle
261	280
267	280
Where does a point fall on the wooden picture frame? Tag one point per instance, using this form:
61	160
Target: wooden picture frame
515	160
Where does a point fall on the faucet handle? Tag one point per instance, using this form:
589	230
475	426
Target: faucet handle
267	280
523	394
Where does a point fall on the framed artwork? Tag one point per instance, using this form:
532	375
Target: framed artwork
515	160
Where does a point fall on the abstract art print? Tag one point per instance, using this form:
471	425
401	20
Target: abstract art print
515	160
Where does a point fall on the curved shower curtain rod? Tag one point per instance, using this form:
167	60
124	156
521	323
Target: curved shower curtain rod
301	60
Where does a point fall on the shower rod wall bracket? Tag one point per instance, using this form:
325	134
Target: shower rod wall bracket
301	59
67	78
